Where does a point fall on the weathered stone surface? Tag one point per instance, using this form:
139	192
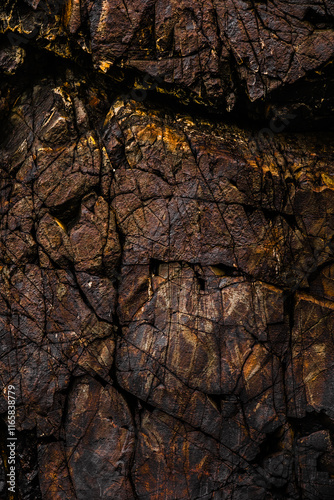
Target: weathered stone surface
166	249
99	445
215	52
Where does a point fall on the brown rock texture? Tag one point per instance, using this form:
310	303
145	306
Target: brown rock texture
167	249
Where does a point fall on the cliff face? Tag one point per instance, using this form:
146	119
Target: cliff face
167	248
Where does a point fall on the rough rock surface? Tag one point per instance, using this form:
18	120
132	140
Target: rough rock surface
167	248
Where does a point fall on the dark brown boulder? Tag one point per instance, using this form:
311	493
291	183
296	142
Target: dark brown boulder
166	249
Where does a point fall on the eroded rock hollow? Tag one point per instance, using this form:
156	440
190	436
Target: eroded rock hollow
167	249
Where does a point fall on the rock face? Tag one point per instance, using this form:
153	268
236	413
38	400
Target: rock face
167	249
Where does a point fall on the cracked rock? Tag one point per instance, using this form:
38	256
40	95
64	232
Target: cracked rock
167	249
